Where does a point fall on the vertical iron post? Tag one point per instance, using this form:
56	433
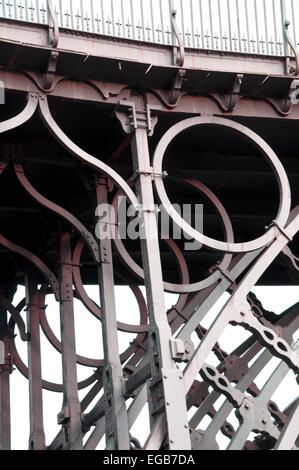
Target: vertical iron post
5	371
70	416
37	435
166	388
116	419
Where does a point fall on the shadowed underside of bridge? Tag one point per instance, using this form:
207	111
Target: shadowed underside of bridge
225	162
94	118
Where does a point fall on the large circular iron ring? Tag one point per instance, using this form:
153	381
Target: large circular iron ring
185	288
282	179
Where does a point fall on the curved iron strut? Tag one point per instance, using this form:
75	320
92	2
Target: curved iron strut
294	70
181	55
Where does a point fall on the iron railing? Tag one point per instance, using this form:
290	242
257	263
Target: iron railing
241	26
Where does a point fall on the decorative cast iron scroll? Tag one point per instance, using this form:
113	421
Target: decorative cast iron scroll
163	367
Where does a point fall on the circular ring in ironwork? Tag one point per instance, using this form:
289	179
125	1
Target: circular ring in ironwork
185	287
282	179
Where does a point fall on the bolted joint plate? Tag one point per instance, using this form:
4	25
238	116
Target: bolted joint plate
66	292
175	409
131	119
181	350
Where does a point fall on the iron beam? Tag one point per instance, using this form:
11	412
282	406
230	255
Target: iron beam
116	419
37	434
70	416
166	380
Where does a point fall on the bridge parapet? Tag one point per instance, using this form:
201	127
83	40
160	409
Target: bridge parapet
235	26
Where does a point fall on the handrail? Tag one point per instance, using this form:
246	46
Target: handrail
227	26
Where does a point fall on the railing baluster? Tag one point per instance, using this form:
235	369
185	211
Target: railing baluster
220	26
92	16
72	13
182	19
61	13
162	22
132	20
123	18
257	28
37	10
266	27
44	12
201	25
238	25
82	14
26	10
103	17
247	25
153	21
9	5
200	21
142	19
211	25
229	26
275	27
16	9
113	17
192	23
286	48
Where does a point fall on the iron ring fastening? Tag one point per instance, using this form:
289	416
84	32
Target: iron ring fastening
185	287
281	177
